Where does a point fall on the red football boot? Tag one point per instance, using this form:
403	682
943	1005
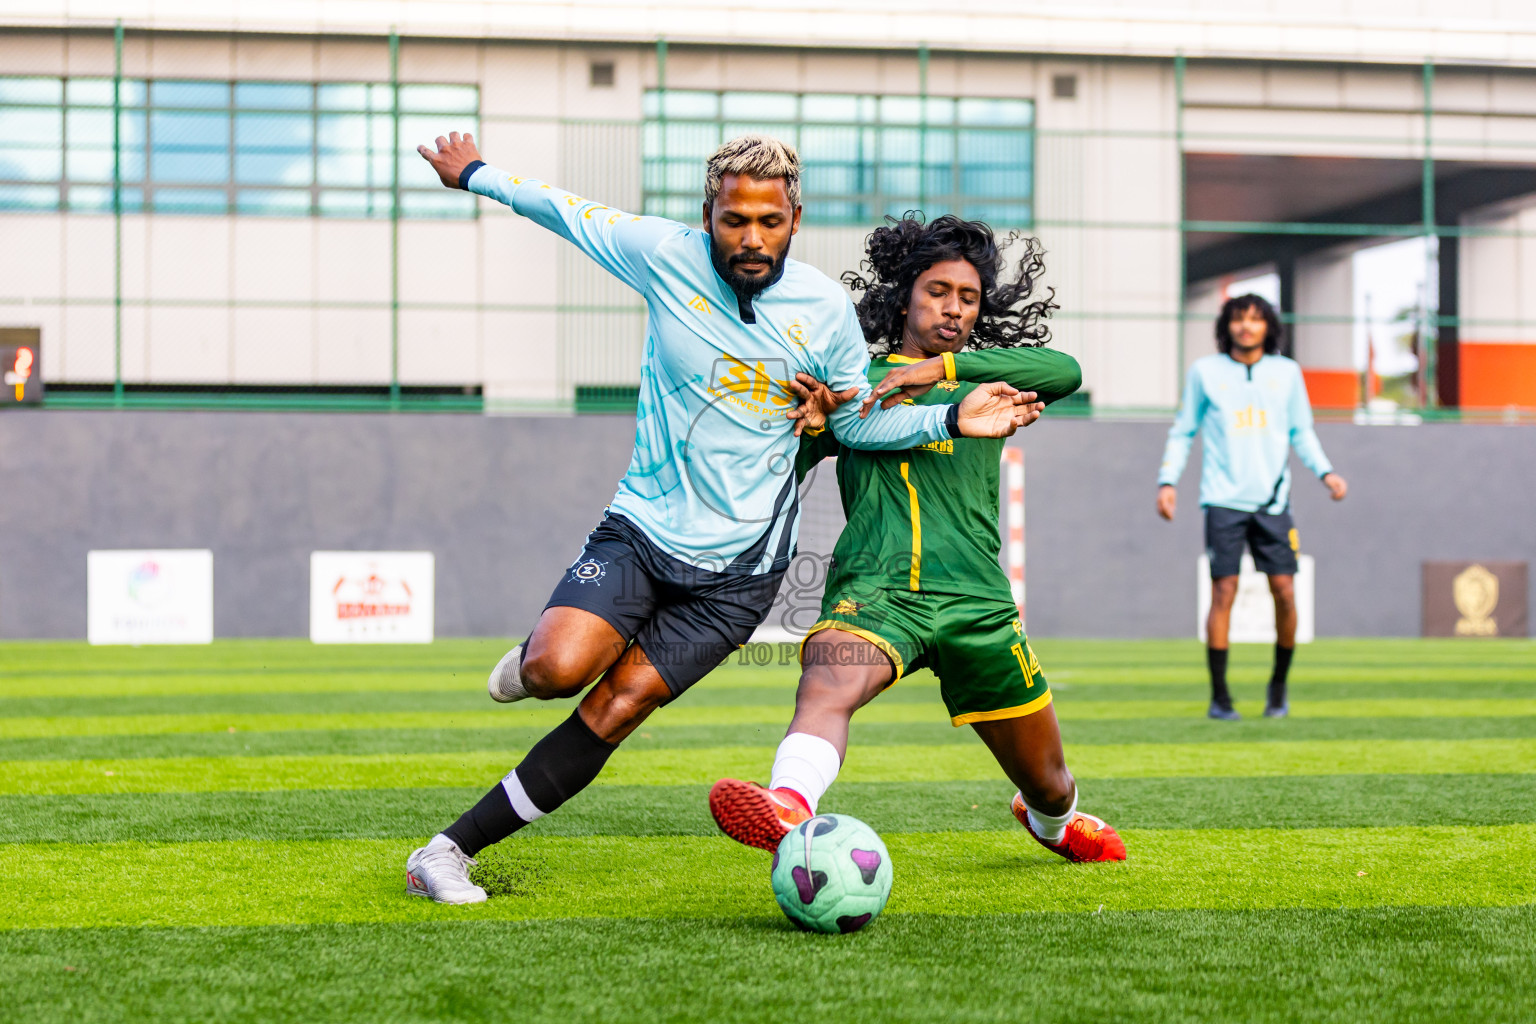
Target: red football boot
1086	839
756	815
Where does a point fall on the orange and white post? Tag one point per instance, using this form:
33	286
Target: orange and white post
1013	479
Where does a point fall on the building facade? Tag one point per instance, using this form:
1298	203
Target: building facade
200	203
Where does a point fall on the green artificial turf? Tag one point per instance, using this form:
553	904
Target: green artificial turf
218	833
1187	967
1297	801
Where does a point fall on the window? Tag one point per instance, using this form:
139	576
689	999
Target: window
287	149
863	156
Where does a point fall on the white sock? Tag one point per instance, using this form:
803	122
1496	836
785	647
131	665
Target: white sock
806	764
510	671
1049	828
518	797
440	840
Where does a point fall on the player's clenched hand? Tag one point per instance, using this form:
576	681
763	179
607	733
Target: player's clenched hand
997	410
1336	486
816	402
904	382
1167	501
451	156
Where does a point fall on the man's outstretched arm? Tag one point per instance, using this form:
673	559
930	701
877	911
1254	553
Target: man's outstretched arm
620	242
1052	375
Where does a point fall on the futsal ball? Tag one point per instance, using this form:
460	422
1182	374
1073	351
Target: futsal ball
832	874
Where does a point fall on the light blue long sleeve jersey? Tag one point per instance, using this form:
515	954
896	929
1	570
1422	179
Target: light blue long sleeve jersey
1248	418
712	478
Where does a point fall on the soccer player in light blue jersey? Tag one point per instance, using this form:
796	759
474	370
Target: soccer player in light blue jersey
687	559
1249	405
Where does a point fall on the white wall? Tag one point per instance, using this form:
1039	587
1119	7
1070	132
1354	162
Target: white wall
305	301
261	300
1498	276
1284	109
1357	30
1117	287
1325	286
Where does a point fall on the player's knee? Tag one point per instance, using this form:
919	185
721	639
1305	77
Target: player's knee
1053	790
547	676
1284	590
1224	592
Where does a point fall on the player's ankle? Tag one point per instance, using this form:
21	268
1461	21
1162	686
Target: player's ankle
807	765
795	797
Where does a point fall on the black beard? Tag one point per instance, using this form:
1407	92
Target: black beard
744	286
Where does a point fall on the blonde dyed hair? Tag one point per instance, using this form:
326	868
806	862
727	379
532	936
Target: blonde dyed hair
757	156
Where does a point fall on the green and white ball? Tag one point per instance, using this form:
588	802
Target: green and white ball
832	874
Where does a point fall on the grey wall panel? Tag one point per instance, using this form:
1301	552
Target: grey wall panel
1101	563
505	503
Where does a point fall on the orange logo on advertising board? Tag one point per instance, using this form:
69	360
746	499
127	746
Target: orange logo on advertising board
371	597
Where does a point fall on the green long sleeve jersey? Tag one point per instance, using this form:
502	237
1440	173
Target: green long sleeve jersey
926	519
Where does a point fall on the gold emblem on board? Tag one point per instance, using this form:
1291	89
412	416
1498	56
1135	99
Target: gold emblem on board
1476	593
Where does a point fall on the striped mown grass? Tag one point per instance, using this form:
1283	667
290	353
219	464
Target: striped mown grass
220	832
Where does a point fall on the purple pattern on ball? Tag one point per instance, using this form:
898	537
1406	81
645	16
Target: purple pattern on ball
868	862
808	883
846	924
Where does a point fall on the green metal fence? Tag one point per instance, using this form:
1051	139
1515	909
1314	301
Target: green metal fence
131	149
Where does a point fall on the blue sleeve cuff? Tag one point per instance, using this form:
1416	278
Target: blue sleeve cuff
952	421
469	172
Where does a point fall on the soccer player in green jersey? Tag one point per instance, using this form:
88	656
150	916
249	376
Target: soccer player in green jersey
915	580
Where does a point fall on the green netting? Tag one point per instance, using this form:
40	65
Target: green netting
124	150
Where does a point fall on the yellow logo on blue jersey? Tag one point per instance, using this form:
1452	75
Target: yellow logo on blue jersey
752	387
698	303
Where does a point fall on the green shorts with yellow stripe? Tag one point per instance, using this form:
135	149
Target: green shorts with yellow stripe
975	645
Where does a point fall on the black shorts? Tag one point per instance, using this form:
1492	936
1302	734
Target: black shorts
1272	538
687	620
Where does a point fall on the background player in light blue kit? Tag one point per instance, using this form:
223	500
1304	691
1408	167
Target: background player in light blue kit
1249	405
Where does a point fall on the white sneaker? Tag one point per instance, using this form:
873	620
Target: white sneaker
506	682
441	871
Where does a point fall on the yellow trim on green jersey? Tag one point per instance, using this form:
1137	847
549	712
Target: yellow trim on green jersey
1038	704
879	641
956	483
917	528
949	366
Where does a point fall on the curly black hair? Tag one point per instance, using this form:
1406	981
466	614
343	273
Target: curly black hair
1242	304
901	250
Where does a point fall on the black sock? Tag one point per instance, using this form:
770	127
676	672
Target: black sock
1277	678
558	767
1216	661
489	821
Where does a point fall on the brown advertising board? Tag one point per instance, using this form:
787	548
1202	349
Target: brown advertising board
1475	599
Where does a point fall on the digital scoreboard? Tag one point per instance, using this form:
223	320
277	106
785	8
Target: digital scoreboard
21	366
